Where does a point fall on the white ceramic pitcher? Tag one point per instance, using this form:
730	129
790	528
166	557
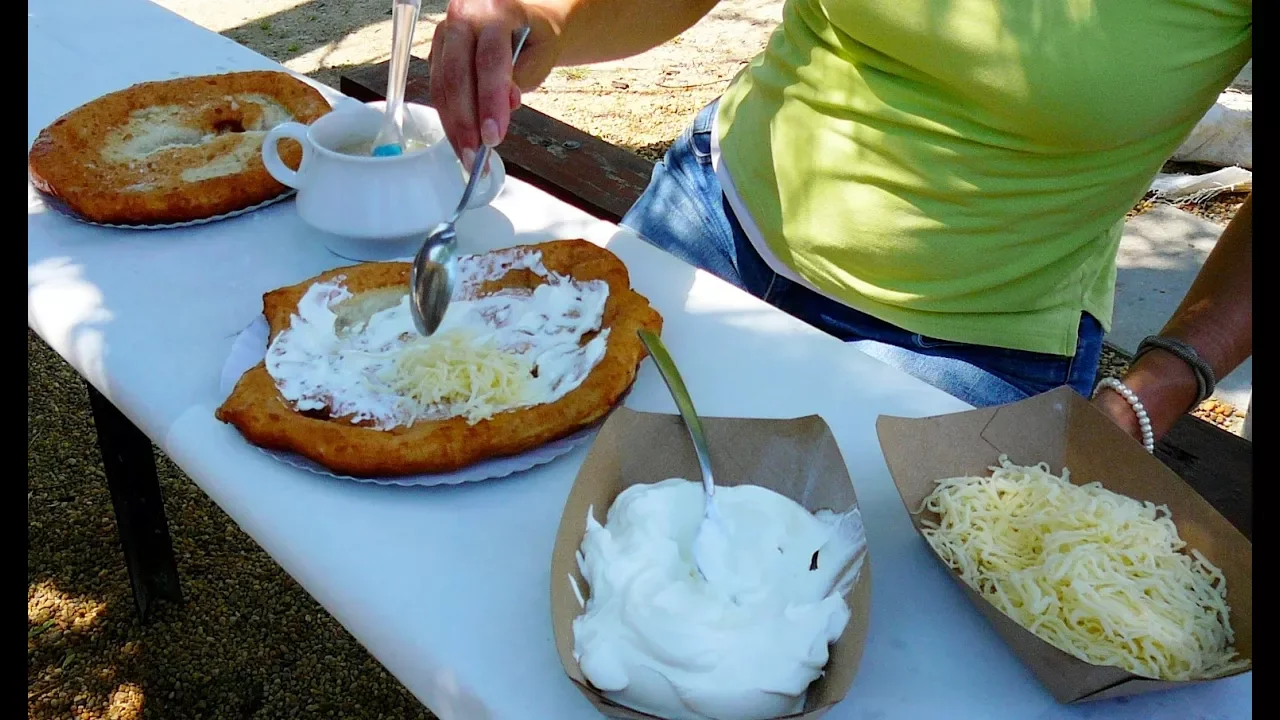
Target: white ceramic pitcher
374	208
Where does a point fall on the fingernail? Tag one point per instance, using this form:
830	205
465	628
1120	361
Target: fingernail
489	132
468	158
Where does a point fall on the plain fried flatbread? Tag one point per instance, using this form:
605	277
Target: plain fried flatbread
173	150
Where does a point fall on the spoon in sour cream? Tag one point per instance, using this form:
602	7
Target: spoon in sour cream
711	544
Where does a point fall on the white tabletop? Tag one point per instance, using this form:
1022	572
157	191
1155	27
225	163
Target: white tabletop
449	587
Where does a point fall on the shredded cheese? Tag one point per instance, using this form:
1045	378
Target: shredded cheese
1096	574
462	372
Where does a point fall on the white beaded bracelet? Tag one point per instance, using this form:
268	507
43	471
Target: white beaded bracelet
1144	422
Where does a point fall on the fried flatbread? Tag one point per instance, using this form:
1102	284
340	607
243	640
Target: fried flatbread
172	151
265	418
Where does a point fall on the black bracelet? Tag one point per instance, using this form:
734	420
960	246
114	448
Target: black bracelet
1205	382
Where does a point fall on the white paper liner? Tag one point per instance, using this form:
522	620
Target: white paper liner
62	208
250	347
1173	187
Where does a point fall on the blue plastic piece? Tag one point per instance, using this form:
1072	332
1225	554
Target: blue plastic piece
387	151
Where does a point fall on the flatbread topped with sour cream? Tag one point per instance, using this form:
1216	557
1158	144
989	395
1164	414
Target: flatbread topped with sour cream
538	343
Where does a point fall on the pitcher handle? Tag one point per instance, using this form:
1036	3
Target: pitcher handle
271	153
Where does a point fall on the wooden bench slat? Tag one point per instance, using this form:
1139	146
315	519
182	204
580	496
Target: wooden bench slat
576	167
1215	463
606	180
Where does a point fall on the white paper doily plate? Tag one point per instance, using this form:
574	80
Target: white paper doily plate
62	208
250	347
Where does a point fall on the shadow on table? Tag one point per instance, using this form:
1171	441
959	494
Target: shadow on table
74	322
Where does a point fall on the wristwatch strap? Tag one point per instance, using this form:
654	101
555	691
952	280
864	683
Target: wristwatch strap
1205	381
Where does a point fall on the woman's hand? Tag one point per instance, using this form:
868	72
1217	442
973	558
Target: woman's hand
1164	384
473	85
1215	318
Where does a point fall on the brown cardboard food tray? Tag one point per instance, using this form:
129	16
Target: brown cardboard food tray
798	458
1063	429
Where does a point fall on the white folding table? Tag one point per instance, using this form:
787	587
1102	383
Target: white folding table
449	587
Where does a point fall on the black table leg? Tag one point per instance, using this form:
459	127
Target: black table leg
139	507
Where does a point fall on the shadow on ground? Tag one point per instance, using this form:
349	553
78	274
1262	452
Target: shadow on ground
307	32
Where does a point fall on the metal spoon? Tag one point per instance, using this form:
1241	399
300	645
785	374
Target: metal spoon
434	270
711	542
393	136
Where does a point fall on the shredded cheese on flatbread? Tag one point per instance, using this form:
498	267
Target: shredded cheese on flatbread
1096	574
461	372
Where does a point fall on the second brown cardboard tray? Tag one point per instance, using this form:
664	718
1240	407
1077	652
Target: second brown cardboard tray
1062	429
798	458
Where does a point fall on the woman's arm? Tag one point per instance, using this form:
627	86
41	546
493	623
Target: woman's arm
1215	318
472	84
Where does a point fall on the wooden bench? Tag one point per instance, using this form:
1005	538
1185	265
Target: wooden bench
606	180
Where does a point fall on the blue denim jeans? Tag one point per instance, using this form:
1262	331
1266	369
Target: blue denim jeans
684	211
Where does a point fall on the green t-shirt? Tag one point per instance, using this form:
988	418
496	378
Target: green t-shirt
962	168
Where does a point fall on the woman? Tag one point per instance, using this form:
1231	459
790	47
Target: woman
941	182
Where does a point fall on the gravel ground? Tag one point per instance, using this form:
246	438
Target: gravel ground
249	642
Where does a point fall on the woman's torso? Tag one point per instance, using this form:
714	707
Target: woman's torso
962	168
